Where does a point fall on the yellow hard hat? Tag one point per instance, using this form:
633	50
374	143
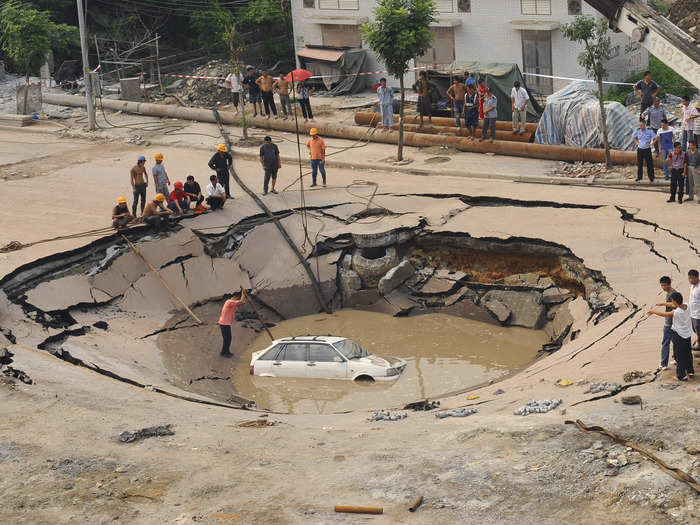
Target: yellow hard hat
221	147
160	197
158	156
313	131
121	200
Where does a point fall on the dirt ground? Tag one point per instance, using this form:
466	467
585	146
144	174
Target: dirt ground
61	460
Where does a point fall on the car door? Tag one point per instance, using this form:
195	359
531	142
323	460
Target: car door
291	362
264	364
325	362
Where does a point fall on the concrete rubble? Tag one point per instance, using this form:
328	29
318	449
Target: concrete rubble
537	407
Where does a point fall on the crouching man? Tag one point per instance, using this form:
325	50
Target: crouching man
216	194
120	214
155	213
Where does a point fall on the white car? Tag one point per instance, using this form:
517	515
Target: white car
323	357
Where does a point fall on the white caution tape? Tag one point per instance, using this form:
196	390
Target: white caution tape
578	79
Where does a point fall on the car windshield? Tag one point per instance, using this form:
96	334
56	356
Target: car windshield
350	349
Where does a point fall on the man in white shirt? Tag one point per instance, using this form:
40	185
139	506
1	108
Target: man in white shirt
518	99
233	82
694	304
690	115
680	327
216	194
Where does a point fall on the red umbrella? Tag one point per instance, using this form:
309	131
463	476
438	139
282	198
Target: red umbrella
298	75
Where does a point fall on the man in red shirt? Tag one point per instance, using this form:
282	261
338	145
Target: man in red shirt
178	200
228	314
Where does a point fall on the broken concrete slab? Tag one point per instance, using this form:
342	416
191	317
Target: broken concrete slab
529	280
526	307
555	295
498	309
64	292
437	285
396	276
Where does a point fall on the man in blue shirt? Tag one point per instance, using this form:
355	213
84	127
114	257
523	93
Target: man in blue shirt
664	142
469	79
385	99
644	138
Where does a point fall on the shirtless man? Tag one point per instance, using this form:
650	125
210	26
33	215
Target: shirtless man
139	183
424	105
456	94
282	87
265	82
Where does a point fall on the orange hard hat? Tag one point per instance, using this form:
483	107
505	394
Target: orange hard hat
160	197
158	156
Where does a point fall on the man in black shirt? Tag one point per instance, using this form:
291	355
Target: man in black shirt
254	94
193	191
220	162
270	160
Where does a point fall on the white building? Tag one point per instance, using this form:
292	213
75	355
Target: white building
524	32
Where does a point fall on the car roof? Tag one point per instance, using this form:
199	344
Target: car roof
309	338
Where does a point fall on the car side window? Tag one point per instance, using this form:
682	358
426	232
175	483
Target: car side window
294	352
322	353
271	354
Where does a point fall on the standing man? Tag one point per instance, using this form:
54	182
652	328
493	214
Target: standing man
490	115
156	214
160	176
317	149
304	93
469	79
693	170
423	89
250	82
220	162
385	99
193	191
282	87
694	304
216	195
518	100
481	91
120	214
643	137
690	113
228	314
271	162
647	89
265	82
471	109
233	82
654	114
665	282
678	161
664	142
139	183
681	332
456	94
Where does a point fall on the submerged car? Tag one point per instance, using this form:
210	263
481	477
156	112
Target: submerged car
323	357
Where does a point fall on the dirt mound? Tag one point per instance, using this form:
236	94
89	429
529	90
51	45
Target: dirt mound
206	92
686	15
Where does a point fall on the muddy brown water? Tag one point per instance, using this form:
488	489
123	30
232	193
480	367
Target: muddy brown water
444	353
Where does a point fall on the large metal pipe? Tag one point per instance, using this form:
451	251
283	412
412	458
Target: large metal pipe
365	117
445	130
518	149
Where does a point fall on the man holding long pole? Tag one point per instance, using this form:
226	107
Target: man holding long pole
228	314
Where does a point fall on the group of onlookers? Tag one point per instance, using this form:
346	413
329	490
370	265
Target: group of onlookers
682	320
261	88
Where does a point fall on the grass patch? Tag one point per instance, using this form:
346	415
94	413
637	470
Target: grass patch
664	76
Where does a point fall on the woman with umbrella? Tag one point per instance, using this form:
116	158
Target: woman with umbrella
303	92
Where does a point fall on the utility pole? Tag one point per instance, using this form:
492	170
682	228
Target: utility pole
86	67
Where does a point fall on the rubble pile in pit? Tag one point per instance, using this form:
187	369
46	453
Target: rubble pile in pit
686	15
405	281
205	93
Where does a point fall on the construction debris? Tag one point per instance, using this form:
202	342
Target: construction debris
131	436
457	412
581	170
537	407
354	509
386	415
257	423
422	405
595	388
206	93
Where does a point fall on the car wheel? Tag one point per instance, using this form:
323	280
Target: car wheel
364	379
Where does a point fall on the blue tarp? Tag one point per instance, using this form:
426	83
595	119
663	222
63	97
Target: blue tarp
572	117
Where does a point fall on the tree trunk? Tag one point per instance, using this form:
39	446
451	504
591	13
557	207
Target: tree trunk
26	94
603	121
242	96
399	155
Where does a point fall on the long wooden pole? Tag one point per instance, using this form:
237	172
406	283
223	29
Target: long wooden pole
262	322
160	277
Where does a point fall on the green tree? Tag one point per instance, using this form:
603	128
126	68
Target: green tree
210	26
596	42
234	44
399	33
25	35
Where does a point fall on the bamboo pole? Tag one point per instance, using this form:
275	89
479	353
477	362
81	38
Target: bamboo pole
262	322
160	277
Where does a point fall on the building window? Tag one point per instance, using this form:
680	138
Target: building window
464	6
338	4
574	7
444	6
309	4
337	35
536	7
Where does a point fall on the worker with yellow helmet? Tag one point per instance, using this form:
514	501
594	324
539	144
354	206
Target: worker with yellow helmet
317	150
120	214
155	213
220	162
160	176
